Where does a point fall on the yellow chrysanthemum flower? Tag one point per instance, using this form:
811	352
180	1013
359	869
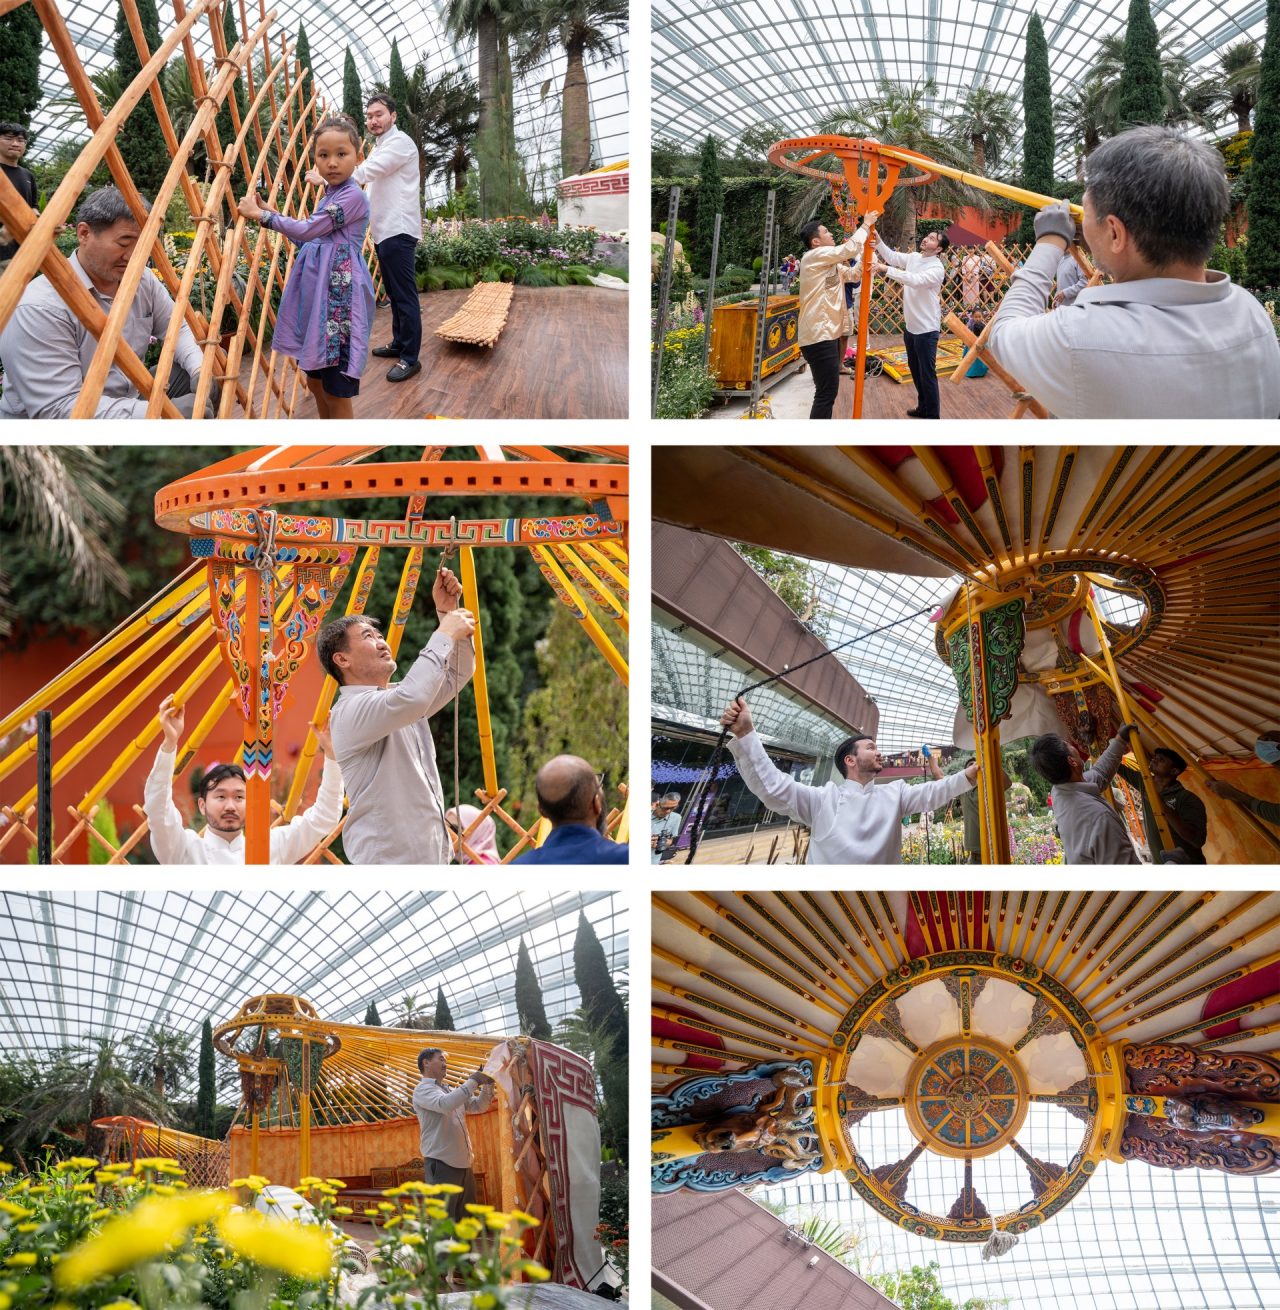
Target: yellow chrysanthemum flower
456	1248
497	1221
412	1239
521	1217
76	1162
531	1269
467	1229
483	1301
120	1305
448	1189
17	1211
294	1248
27	1227
151	1228
472	1208
23	1259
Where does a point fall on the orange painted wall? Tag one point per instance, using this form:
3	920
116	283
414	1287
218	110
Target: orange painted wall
24	670
991	225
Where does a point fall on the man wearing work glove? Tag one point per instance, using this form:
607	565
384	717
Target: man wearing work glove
1167	338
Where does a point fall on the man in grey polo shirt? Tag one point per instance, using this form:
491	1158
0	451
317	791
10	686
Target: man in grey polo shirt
381	736
446	1149
1168	338
1091	831
47	350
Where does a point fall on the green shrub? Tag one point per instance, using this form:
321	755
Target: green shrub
686	388
757	264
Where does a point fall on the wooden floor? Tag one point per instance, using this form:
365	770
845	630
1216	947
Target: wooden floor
883	398
563	355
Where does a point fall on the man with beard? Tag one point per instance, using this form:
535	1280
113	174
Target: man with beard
222	803
853	821
922	274
381	735
1169	337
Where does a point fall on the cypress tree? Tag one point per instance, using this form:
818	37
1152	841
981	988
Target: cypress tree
1262	267
225	123
710	203
444	1016
302	54
607	1015
140	140
20	38
603	1006
1142	80
372	1018
206	1094
1037	121
398	82
352	95
530	1010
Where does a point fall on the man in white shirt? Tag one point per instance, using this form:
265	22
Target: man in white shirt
222	803
394	181
446	1149
1168	338
854	821
823	318
921	273
47	351
381	734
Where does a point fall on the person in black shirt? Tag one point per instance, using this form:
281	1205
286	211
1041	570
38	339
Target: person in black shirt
13	145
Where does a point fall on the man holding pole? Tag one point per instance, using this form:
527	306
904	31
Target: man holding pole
221	802
824	268
921	274
853	821
1169	338
381	734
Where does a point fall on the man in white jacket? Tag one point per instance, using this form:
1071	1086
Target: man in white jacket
854	821
823	317
222	803
921	273
381	734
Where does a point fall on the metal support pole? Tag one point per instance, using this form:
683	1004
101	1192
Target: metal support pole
664	295
44	787
711	293
762	310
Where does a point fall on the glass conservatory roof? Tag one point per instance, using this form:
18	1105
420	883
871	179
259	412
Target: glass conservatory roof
75	965
722	66
1134	1237
368	28
913	689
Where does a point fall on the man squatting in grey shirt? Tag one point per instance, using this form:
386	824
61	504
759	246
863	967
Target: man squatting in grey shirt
1091	831
381	737
446	1149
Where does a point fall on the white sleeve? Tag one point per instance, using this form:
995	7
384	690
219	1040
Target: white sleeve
295	840
387	159
168	833
1034	346
887	255
427	686
924	797
768	783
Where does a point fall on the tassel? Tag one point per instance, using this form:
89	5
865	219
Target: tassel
998	1243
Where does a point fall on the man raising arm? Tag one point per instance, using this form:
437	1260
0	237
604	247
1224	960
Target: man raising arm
854	821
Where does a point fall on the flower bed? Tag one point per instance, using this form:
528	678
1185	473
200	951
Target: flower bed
135	1237
459	253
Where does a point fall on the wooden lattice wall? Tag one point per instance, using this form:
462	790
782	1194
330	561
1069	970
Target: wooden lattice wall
247	266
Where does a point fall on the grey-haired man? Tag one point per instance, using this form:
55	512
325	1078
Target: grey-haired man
47	350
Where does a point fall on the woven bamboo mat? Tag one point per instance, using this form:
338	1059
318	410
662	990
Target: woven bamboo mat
482	317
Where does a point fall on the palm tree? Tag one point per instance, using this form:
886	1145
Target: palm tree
82	1082
580	28
483	21
1108	71
162	1053
1079	118
55	498
446	115
900	115
1232	86
988	121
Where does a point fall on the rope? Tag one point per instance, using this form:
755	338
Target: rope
695	835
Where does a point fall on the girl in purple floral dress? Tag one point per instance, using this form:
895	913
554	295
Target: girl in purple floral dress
326	310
